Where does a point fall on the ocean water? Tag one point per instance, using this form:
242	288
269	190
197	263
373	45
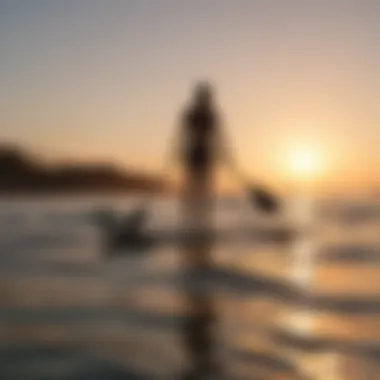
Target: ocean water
306	308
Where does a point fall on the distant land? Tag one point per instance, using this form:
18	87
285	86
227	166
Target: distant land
23	173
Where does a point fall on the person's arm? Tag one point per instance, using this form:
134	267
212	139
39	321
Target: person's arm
223	148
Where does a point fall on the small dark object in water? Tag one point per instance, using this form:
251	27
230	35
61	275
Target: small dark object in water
118	240
135	221
126	232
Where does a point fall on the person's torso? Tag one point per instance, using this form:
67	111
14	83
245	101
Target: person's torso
200	131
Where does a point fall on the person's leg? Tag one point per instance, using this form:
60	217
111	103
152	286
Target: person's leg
199	329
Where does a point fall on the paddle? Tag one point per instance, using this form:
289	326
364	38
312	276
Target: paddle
258	195
266	201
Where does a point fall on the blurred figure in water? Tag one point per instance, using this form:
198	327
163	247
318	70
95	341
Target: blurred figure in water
200	146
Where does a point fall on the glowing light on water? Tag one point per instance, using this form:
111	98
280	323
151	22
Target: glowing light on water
324	366
301	322
303	259
301	274
302	270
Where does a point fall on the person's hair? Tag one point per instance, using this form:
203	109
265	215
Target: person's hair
203	92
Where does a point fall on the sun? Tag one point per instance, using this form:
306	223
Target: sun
305	163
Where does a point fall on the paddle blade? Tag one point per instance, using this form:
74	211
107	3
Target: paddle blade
264	200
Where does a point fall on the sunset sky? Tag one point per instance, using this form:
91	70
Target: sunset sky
296	80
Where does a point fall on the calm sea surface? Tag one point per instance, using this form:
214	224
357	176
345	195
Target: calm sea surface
308	308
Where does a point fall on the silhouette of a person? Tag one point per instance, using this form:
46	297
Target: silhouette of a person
200	148
200	138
